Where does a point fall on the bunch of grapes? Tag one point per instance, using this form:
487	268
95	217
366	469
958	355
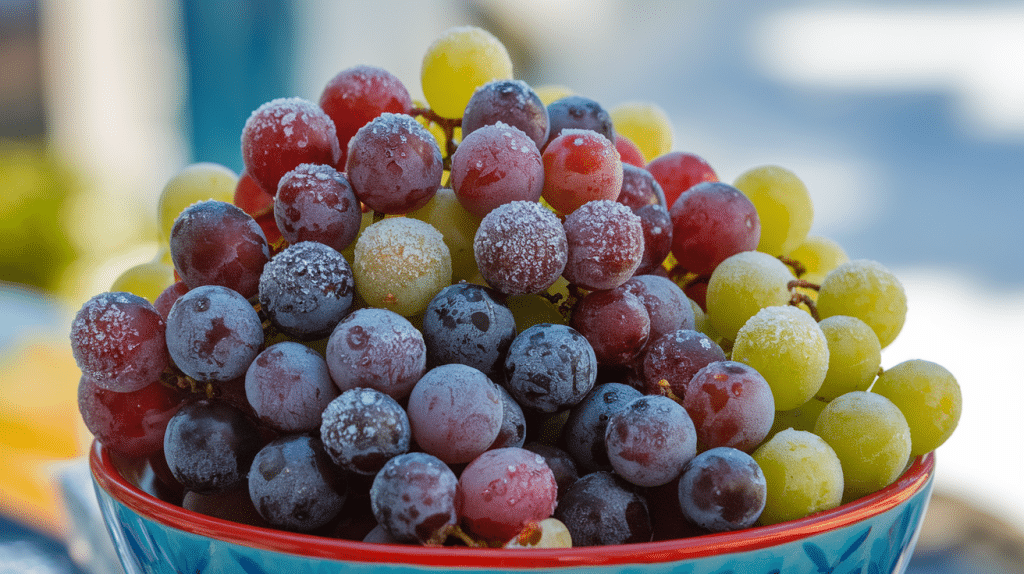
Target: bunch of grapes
493	318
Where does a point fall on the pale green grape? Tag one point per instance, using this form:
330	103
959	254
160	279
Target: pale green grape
854	356
147	280
868	291
783	205
532	309
802	473
195	182
741	286
800	418
928	396
818	255
646	124
458	62
871	438
787	347
400	264
548	533
457	226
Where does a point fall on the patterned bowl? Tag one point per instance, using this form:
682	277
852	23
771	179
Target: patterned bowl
873	535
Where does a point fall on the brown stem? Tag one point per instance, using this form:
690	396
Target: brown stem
798	298
801	283
798	268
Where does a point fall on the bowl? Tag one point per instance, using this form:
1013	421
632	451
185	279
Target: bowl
874	534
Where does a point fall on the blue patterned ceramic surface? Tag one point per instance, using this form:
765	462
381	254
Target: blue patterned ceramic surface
874	535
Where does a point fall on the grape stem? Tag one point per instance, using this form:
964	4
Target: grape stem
798	268
797	298
447	126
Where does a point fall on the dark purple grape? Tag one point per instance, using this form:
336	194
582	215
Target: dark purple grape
364	428
722	489
675	358
657	228
512	102
209	446
667	306
513	422
288	387
559	461
413	498
578	112
550	367
650	439
466	324
294	485
639	188
601	509
307	289
379	349
316	203
583	434
615	323
213	333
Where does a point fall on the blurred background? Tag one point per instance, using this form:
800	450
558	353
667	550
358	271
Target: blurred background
904	118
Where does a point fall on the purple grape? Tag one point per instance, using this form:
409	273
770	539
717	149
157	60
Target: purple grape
363	428
650	439
657	228
605	242
413	498
465	323
601	508
559	461
307	289
667	306
731	405
722	489
639	188
512	102
209	445
288	386
583	433
520	248
294	485
513	422
675	358
316	203
550	367
379	349
615	323
578	112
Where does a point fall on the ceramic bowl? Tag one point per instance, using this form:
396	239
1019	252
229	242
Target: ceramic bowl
875	534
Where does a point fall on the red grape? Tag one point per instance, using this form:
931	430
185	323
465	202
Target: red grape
284	133
494	165
711	222
580	166
357	95
520	248
316	203
678	171
132	423
605	245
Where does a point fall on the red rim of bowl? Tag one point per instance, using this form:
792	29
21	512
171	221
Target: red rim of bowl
110	480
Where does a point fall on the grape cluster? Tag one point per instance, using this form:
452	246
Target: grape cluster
501	317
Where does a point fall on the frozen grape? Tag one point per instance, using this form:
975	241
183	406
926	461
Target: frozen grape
413	498
615	323
512	102
307	289
678	171
209	446
364	428
378	349
657	229
293	484
316	203
741	286
288	386
584	430
132	423
581	113
605	245
667	306
722	489
928	396
460	60
731	406
854	356
601	509
494	165
645	123
550	367
520	248
802	473
513	422
356	95
457	226
711	222
675	358
868	291
580	165
650	439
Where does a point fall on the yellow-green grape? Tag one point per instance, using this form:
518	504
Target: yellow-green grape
400	264
783	206
548	533
868	291
787	347
551	92
457	226
802	473
928	396
646	124
195	182
533	309
147	280
818	255
801	418
741	286
871	438
854	356
700	318
459	61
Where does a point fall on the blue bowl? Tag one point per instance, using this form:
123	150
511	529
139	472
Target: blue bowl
873	535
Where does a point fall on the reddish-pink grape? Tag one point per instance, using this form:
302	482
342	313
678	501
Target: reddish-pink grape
131	424
165	300
520	248
254	200
358	94
711	222
580	166
731	405
678	171
675	358
316	203
605	245
615	323
629	152
494	165
657	225
379	349
639	188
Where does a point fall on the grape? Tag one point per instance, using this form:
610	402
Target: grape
548	533
520	248
496	164
413	498
802	473
118	341
254	200
502	491
293	484
455	412
356	95
818	255
378	349
550	367
615	323
629	152
639	188
871	438
741	286
465	324
364	428
722	489
575	112
209	446
513	422
400	264
284	133
168	296
459	61
605	245
675	358
657	227
800	418
394	164
130	423
288	387
457	226
649	440
678	171
601	508
790	351
731	406
711	222
195	182
316	203
854	356
584	431
561	463
782	203
216	243
511	102
928	396
580	166
147	280
646	124
667	306
213	333
307	289
868	291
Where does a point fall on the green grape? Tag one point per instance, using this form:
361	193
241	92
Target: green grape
147	280
854	356
400	264
741	286
801	418
928	396
871	438
548	533
533	309
818	255
783	205
787	347
802	473
459	61
457	226
646	124
868	291
195	182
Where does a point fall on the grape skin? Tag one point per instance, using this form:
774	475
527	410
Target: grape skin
316	203
580	166
307	289
364	428
520	248
928	396
288	386
866	290
379	349
494	165
413	497
293	484
650	439
132	423
711	222
675	358
731	406
742	285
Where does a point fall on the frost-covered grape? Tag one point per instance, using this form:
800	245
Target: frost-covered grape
928	396
580	165
583	433
711	222
512	102
364	428
131	423
650	439
731	406
294	485
854	356
667	306
722	489
465	323
550	367
581	113
513	422
675	358
209	445
868	291
741	286
605	245
288	386
520	248
307	289
413	498
379	349
316	203
601	508
615	323
802	473
494	165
